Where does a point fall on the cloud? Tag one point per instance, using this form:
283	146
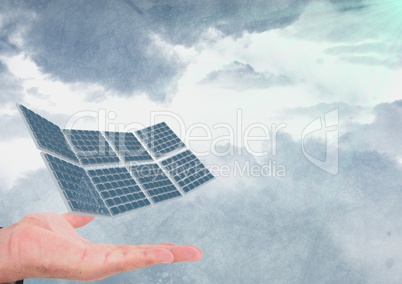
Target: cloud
297	227
308	226
243	77
349	5
11	88
373	36
305	215
184	22
380	135
373	60
104	42
11	127
368	53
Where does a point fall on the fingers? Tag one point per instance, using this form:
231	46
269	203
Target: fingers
102	261
106	260
77	221
186	253
181	253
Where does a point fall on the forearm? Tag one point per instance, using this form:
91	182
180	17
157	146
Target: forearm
9	270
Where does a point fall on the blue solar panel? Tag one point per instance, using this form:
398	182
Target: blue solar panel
155	182
91	180
187	170
76	186
160	139
91	147
128	147
49	137
119	190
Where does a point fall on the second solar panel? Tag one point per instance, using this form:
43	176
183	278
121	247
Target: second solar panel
155	182
187	170
119	190
160	139
76	186
128	147
91	147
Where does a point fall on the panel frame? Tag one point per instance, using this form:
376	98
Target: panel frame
61	191
77	162
145	190
174	181
109	208
121	157
117	163
150	150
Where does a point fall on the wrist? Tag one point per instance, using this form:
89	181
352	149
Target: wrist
10	271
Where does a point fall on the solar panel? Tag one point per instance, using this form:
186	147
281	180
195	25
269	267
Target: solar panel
48	136
91	179
76	186
128	147
187	170
119	190
155	182
160	139
91	147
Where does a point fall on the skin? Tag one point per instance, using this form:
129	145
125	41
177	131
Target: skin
46	245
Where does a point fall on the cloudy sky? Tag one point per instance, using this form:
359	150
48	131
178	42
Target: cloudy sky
308	92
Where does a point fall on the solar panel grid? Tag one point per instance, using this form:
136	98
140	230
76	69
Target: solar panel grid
107	189
48	135
128	146
160	139
187	170
155	182
91	147
76	186
119	190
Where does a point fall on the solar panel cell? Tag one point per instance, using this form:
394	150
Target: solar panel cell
77	187
91	147
128	147
160	139
49	137
118	188
187	170
155	182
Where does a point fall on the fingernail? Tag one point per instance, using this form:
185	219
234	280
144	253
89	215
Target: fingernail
197	248
165	256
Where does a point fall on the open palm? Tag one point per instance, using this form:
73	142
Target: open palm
46	245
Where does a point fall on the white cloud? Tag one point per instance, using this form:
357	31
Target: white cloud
19	156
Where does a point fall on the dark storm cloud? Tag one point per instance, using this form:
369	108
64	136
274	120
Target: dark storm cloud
242	77
184	21
109	42
9	25
349	5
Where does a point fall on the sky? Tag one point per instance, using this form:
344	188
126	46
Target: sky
294	105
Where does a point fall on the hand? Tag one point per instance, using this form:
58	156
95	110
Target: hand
46	245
